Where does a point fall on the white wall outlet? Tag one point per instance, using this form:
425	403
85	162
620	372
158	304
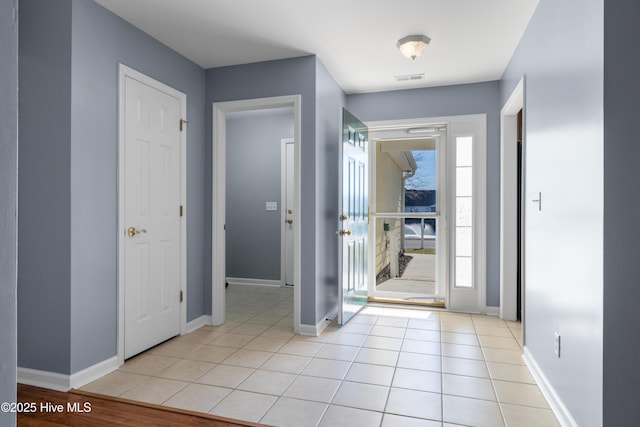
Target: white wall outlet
272	206
556	344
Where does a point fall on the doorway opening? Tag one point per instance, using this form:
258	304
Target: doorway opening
248	209
446	219
254	203
520	202
408	211
512	188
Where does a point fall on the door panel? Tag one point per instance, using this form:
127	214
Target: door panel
467	177
289	206
354	220
152	219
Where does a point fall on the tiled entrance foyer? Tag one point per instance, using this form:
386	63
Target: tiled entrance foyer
389	366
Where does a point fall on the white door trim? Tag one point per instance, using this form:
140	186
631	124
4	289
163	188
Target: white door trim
220	111
124	71
508	203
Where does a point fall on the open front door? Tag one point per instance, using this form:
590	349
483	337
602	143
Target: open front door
354	219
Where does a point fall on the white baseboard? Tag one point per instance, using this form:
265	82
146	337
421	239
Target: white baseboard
44	379
332	314
493	311
557	405
253	282
62	382
94	372
197	323
316	330
309	330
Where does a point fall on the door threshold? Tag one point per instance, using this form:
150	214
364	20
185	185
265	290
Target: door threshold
433	304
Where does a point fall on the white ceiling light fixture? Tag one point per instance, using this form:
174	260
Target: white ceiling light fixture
412	46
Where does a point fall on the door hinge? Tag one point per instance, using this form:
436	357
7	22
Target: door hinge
181	210
180	296
182	123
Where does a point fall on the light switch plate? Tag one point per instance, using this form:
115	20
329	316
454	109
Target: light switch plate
272	206
537	198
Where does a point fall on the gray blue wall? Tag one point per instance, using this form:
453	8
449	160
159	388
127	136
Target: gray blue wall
69	55
44	257
253	178
8	207
321	102
621	213
477	98
67	279
278	78
100	41
561	54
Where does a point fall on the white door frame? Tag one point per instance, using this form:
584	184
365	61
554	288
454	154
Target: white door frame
283	213
124	71
508	203
378	129
220	111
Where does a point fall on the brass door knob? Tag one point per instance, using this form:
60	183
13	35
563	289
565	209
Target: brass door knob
344	232
131	231
289	221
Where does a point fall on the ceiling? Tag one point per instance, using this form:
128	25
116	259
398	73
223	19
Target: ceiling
471	40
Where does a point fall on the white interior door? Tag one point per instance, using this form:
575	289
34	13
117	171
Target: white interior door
354	219
152	229
288	204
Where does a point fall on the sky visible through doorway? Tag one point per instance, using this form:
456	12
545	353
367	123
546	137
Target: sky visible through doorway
425	177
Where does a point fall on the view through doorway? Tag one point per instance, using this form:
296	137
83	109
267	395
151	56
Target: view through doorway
408	206
235	181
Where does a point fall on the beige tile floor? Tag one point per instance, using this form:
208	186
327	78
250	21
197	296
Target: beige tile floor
389	367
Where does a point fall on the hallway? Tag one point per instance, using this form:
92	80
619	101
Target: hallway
389	366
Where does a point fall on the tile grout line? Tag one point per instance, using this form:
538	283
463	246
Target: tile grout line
393	377
257	368
441	373
493	385
249	331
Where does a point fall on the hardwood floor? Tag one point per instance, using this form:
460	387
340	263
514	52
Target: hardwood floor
79	408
